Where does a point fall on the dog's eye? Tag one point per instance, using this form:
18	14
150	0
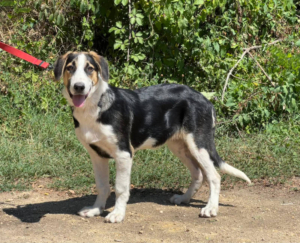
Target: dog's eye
70	68
90	69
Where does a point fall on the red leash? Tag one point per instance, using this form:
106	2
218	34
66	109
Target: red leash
24	55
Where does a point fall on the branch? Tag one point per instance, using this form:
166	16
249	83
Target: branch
268	77
230	72
268	44
152	31
130	27
244	53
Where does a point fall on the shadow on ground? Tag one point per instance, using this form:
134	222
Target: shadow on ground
32	213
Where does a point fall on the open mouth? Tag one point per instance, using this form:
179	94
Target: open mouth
78	100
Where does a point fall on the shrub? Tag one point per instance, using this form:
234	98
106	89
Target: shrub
193	42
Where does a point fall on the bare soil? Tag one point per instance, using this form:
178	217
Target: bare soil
246	214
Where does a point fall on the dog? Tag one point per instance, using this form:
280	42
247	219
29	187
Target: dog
113	123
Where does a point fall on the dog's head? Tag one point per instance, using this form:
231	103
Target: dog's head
81	72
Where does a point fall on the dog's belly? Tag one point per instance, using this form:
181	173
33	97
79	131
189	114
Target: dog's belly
148	144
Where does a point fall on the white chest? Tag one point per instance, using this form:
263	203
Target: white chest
90	131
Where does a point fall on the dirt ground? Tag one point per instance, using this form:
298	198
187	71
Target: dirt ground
246	214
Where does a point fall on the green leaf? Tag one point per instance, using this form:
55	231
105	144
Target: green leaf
34	77
216	46
117	45
135	58
119	24
124	2
230	104
139	16
199	2
141	41
208	95
51	17
294	103
112	29
141	56
117	2
139	21
132	20
82	6
182	23
63	20
297	43
41	15
7	3
241	120
233	45
22	10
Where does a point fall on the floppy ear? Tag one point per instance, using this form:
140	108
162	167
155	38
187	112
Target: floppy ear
59	66
102	65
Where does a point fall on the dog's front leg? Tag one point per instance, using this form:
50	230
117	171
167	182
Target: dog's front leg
123	171
101	171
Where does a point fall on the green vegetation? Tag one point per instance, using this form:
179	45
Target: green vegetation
193	42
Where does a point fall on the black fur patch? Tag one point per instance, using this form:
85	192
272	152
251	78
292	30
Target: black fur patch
159	112
100	152
76	123
70	58
58	68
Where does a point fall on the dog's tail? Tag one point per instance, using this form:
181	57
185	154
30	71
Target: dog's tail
228	169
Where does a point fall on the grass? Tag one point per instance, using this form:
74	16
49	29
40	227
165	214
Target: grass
46	147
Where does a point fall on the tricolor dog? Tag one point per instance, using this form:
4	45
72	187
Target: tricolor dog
114	123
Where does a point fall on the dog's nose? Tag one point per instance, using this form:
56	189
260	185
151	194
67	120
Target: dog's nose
79	87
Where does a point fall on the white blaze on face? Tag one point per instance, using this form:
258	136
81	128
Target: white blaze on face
80	78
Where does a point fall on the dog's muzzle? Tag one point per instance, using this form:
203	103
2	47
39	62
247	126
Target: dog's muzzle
79	98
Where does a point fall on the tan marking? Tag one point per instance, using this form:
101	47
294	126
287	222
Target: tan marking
179	135
94	75
67	78
132	150
64	57
67	75
97	59
95	56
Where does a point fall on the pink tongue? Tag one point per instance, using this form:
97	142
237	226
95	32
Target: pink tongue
78	100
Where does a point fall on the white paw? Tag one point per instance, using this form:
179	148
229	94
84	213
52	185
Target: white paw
178	199
116	216
90	212
209	211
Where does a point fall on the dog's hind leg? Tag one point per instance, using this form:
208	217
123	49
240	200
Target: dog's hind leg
179	148
101	172
211	175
